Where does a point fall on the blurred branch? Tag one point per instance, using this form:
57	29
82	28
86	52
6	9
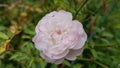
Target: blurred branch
12	37
15	3
92	60
100	64
5	46
3	5
26	7
80	9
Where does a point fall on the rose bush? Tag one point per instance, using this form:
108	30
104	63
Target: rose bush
58	37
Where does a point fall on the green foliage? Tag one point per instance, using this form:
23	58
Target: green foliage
3	35
101	20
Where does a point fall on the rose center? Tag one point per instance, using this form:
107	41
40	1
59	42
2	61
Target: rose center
59	32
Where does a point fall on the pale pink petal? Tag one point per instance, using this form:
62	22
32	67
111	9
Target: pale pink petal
58	55
81	41
40	29
56	61
73	53
39	44
59	61
46	58
82	35
66	14
78	27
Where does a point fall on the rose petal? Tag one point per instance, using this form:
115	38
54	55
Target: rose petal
46	58
82	34
66	15
59	61
56	61
55	54
81	41
73	53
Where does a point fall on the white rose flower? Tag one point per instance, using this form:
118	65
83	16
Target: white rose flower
58	37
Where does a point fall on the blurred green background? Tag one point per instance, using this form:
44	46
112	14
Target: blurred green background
101	20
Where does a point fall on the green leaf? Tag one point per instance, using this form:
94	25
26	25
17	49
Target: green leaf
2	28
92	66
9	66
14	57
1	64
31	61
3	35
107	34
42	63
105	40
53	66
94	53
77	66
66	63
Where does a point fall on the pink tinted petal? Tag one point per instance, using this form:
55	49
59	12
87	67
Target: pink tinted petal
71	37
39	44
78	26
37	29
71	58
81	41
56	51
51	14
47	58
82	35
59	48
59	61
56	61
48	16
66	14
63	16
75	40
73	53
58	55
40	28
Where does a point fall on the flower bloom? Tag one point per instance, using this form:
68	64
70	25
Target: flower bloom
58	37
